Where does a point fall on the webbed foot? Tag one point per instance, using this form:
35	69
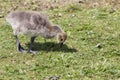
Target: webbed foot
31	51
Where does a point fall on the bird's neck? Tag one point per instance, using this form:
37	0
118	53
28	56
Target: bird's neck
56	29
53	31
53	34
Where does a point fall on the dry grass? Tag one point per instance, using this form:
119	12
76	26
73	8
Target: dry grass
38	5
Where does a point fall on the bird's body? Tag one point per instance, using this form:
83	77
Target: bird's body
32	24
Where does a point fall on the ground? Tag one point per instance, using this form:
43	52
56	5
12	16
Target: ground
91	51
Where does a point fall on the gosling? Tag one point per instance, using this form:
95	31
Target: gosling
33	24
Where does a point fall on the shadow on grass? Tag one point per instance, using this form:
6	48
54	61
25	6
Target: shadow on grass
50	46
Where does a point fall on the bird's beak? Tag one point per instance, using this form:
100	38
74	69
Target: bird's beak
60	45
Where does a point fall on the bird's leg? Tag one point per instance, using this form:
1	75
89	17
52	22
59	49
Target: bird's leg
19	47
30	47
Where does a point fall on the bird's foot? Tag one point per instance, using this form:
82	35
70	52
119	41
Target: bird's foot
21	49
31	51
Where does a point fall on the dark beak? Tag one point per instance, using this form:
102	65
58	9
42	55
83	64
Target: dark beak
60	45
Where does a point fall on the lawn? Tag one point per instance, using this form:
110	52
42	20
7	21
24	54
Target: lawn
91	51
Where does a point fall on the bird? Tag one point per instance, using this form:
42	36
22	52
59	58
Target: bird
34	24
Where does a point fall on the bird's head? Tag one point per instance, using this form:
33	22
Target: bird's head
61	37
60	34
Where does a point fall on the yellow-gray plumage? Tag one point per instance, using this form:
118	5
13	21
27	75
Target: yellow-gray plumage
33	24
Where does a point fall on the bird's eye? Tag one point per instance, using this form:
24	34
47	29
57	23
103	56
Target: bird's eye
61	39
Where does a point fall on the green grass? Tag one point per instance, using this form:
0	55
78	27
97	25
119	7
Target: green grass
91	52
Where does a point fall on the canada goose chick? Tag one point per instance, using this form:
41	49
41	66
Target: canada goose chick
33	24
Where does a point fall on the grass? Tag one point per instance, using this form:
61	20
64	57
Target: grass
91	51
